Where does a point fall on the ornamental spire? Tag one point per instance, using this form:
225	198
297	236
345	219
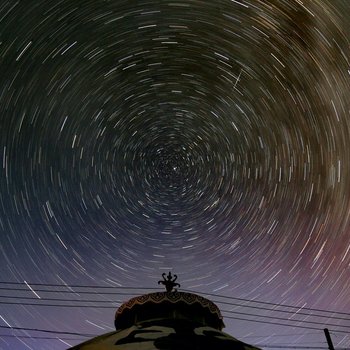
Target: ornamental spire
169	282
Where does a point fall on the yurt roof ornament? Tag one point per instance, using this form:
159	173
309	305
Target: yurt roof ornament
169	282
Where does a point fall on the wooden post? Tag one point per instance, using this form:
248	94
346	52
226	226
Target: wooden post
329	339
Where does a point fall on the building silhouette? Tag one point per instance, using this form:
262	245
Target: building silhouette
168	320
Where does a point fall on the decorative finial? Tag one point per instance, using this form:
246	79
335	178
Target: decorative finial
169	282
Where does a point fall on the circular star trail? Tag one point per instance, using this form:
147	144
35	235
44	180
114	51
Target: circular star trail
207	138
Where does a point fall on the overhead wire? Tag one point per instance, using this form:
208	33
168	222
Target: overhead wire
282	324
47	331
37	337
274	304
40	302
283	311
285	319
67	291
282	346
217	301
73	303
151	289
94	335
76	285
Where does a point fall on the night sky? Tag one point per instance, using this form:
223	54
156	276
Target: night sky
206	138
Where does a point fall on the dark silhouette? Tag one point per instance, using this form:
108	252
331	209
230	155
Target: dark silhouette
169	282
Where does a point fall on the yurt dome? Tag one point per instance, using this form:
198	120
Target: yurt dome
168	320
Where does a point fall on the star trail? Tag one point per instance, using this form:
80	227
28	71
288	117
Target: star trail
209	138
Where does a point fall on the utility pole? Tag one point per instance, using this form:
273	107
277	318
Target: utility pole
329	339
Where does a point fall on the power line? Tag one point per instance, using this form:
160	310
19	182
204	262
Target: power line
279	335
229	317
94	335
47	331
274	304
284	346
57	305
118	301
104	292
77	286
283	311
217	301
284	319
59	299
277	346
36	337
66	291
282	324
298	308
39	302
